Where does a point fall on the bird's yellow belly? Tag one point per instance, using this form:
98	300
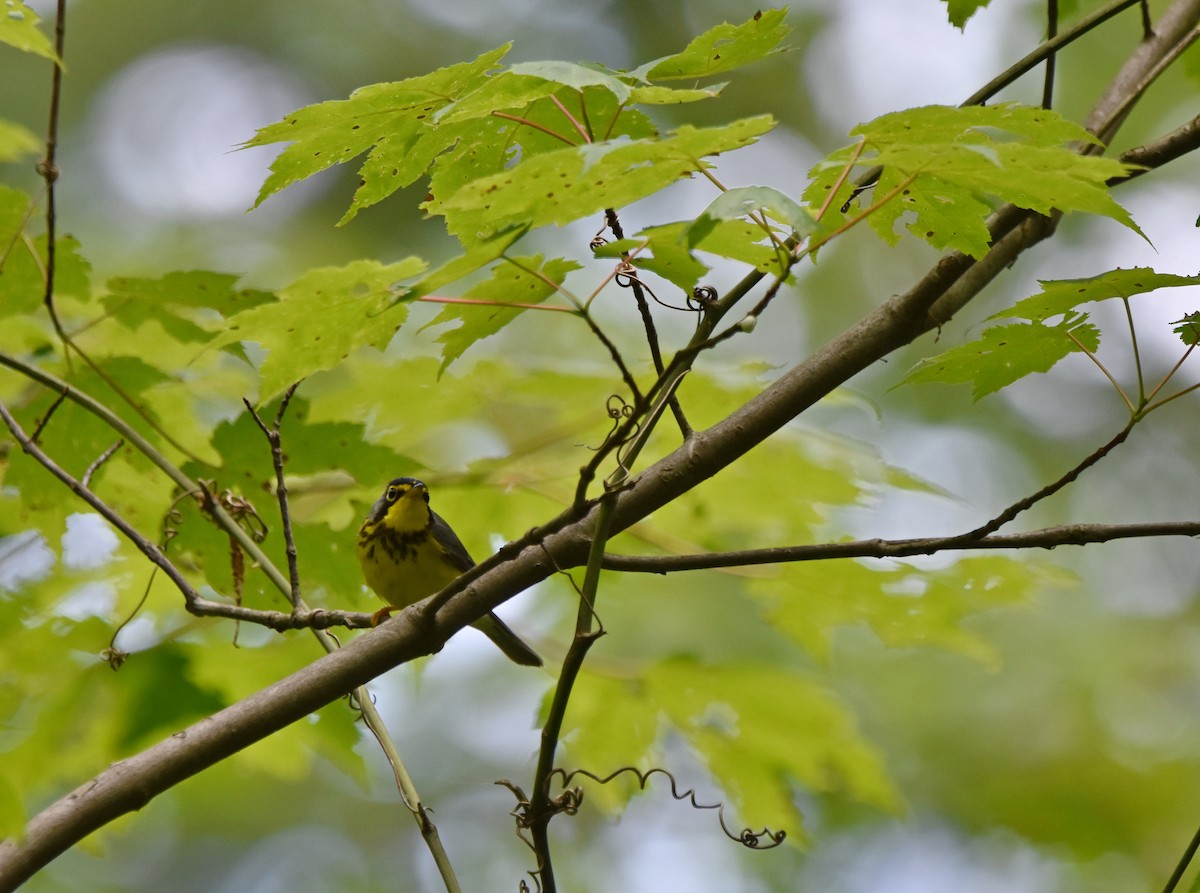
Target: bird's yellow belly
404	575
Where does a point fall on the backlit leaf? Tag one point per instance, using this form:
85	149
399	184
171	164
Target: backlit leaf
723	48
19	28
520	281
1059	296
565	185
16	142
1006	354
933	157
321	317
393	114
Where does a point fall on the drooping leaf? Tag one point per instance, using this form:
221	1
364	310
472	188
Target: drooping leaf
723	48
1061	296
1005	354
321	317
19	28
520	281
565	185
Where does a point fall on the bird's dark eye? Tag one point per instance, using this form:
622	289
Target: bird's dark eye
391	494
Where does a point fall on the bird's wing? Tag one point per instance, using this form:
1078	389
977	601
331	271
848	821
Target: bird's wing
448	540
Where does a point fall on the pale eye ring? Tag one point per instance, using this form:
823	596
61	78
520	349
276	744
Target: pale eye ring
391	494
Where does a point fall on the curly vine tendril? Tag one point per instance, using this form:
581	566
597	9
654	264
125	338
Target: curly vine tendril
569	801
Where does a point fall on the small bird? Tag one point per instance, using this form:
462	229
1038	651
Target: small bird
408	553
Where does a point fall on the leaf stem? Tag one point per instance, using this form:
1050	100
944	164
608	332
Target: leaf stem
1133	410
535	126
580	129
1166	378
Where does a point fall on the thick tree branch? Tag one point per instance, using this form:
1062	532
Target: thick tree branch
562	543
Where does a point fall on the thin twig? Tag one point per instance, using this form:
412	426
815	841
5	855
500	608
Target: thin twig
1104	369
1137	355
543	807
1044	538
361	697
285	515
45	420
1175	396
1050	489
147	548
48	168
651	330
1047	50
1051	33
1166	378
1184	861
86	480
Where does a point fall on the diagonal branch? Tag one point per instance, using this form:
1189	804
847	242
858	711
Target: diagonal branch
562	543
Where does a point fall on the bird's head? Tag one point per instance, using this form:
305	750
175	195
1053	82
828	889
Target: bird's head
403	506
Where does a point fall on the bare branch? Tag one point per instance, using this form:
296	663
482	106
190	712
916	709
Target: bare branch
276	443
1045	538
86	480
563	542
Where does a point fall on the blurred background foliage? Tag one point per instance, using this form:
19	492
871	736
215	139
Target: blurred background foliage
1022	726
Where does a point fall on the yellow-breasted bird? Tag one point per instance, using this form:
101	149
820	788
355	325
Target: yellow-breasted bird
408	552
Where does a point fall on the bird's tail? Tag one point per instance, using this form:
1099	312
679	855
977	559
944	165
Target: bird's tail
508	641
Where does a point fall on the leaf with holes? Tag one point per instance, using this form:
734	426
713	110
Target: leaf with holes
723	48
491	305
565	185
182	302
19	28
1006	354
666	252
396	115
321	317
944	214
936	155
1059	296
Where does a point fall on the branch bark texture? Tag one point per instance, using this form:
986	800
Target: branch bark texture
951	283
